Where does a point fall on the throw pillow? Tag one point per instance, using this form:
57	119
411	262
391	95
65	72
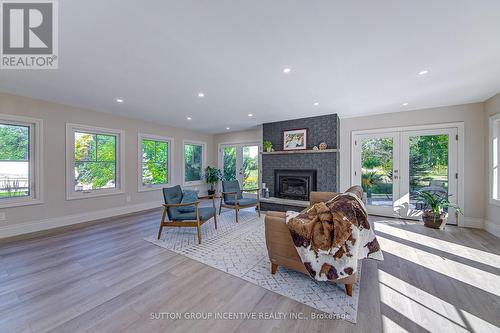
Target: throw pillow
188	196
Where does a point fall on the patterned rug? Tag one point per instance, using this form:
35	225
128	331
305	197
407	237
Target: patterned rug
240	250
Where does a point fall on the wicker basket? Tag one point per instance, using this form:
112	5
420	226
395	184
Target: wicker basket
435	221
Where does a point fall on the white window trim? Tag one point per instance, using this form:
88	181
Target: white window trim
170	141
71	194
35	161
203	161
492	120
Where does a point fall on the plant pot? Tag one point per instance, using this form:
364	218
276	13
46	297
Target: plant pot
269	149
211	192
435	221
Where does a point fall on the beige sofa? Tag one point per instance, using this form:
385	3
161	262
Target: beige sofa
280	245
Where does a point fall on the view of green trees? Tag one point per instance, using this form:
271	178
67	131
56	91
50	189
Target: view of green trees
154	162
250	165
14	148
95	161
193	162
428	164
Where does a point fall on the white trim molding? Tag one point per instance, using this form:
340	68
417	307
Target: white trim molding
492	228
203	161
62	221
71	194
35	161
471	222
170	155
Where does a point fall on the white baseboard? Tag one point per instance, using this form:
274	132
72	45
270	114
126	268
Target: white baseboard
62	221
473	222
492	228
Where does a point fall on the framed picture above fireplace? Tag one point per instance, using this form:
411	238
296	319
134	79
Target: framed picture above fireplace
295	139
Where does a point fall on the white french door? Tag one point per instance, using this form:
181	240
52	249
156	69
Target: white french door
393	166
241	161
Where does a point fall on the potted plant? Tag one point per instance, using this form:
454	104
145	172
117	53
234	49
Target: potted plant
434	215
212	177
268	146
369	180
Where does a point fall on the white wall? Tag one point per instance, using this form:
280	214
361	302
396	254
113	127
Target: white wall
239	137
492	223
473	117
56	210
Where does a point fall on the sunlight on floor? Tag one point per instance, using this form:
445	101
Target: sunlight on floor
425	310
470	253
475	277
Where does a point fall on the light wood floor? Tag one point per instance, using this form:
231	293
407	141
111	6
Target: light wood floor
105	278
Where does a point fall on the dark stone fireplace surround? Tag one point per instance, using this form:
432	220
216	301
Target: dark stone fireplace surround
320	129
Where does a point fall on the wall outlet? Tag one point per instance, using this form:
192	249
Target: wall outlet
129	198
2	216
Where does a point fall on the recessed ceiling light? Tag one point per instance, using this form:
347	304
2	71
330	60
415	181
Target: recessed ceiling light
405	104
119	100
423	72
316	103
250	114
201	95
287	70
228	128
188	118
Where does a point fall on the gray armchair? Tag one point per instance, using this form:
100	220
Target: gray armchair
177	218
232	197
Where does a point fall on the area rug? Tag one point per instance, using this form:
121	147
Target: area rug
240	250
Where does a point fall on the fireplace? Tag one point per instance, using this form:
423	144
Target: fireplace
294	184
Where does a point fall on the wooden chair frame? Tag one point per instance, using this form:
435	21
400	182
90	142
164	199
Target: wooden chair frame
187	223
236	206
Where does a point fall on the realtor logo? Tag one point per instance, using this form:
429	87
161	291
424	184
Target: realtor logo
29	34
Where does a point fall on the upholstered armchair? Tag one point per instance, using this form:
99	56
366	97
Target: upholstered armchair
232	197
179	218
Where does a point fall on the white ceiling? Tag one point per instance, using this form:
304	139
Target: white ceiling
353	57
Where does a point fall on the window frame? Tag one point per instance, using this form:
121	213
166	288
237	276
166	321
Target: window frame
494	130
153	187
35	161
203	161
71	194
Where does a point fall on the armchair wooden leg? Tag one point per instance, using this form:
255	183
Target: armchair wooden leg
348	289
274	268
237	211
258	209
220	206
215	219
199	233
159	231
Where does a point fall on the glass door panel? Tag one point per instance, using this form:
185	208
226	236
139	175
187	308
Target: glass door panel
229	162
375	170
250	167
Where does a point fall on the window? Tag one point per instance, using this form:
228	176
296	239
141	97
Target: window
94	166
194	162
19	161
154	161
494	148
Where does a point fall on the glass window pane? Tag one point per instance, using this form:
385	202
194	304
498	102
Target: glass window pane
193	162
250	167
376	172
229	163
85	146
14	164
106	148
94	175
148	150
428	166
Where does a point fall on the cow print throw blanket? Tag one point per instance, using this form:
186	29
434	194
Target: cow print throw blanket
330	237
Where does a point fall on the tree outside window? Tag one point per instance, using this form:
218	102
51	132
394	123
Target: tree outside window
154	162
14	161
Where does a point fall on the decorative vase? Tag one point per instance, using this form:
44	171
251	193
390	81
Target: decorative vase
323	146
269	149
211	191
435	221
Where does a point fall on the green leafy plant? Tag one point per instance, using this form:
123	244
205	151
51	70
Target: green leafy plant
268	145
436	203
212	176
